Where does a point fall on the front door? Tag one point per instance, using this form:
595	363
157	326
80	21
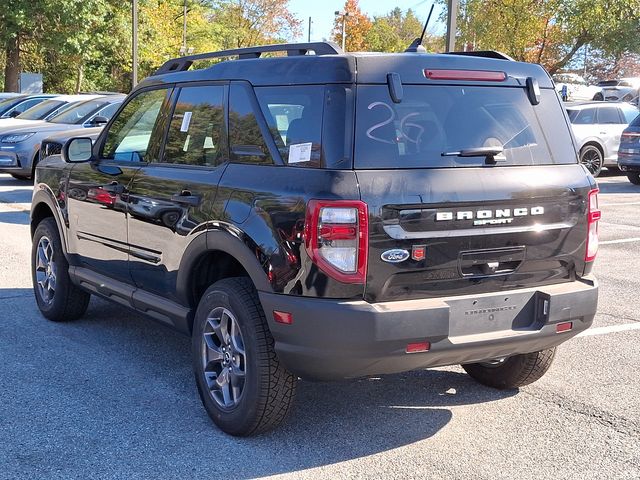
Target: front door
98	190
170	199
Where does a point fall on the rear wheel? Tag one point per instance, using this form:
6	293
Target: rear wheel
598	97
634	178
58	299
20	177
512	372
592	158
241	382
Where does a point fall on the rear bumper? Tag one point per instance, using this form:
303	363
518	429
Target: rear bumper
629	162
333	339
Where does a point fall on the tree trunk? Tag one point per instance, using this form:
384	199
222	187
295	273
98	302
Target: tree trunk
79	77
580	42
12	67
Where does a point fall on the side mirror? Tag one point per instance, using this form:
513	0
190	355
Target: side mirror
77	150
14	114
98	121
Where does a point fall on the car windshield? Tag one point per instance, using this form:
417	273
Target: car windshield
78	113
8	103
432	123
41	110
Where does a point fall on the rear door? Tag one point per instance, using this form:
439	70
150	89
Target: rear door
443	223
611	123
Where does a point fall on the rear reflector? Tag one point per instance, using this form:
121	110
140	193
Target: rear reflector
475	75
418	347
283	317
564	327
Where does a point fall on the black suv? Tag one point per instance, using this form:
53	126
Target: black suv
327	215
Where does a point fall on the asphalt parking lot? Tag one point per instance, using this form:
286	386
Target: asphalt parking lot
112	395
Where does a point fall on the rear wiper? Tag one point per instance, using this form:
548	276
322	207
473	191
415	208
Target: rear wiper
491	155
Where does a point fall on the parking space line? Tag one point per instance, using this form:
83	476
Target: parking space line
621	240
616	204
610	329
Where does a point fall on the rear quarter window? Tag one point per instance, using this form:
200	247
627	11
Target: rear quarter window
431	122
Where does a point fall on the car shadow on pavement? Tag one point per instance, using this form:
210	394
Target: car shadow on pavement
121	401
624	187
16	217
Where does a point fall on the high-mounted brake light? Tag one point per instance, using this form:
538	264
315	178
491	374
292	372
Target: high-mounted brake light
336	238
593	215
475	75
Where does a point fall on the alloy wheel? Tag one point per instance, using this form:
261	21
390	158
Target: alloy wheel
45	270
224	358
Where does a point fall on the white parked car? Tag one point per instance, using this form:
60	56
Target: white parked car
578	88
597	127
623	89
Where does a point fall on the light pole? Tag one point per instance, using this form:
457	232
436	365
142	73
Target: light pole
184	27
344	15
134	43
452	16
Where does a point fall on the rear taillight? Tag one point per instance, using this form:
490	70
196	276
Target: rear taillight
593	215
336	238
629	137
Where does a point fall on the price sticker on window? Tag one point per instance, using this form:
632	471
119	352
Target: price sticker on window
300	152
186	120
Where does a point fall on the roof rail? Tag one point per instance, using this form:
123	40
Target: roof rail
293	49
485	54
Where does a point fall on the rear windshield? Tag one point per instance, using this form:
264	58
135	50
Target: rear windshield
635	122
432	123
41	110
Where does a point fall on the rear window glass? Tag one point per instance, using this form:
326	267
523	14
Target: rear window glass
310	124
635	122
433	122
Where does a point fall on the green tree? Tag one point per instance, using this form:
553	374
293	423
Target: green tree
395	31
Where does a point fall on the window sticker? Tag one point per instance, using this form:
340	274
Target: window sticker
186	120
300	152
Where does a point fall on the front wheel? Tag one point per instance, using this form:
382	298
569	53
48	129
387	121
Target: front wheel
634	178
58	299
243	386
512	372
592	158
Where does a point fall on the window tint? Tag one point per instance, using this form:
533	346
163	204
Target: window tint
246	143
433	122
197	127
586	116
635	122
129	135
608	115
41	110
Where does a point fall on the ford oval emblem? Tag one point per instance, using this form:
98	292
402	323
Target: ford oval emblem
396	255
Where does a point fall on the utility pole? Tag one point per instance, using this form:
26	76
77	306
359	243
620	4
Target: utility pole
309	34
344	15
134	43
184	28
452	15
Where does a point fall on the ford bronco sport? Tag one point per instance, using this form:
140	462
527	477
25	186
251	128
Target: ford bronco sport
327	215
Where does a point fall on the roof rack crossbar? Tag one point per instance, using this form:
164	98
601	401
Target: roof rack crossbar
181	64
484	54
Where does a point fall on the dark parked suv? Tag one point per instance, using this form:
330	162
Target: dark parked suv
327	215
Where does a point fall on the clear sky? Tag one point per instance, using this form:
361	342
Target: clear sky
322	13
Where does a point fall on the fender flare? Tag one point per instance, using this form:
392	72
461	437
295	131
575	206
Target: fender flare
45	196
221	241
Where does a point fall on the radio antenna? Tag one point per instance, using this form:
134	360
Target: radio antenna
416	46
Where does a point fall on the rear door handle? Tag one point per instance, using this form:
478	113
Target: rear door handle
185	198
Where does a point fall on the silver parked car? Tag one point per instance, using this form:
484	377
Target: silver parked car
623	89
20	146
597	128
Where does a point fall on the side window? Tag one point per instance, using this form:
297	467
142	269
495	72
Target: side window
129	135
586	116
27	104
246	143
608	116
108	111
294	116
197	127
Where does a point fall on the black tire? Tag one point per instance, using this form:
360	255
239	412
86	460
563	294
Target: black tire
592	158
66	302
20	177
598	97
634	178
512	372
268	389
